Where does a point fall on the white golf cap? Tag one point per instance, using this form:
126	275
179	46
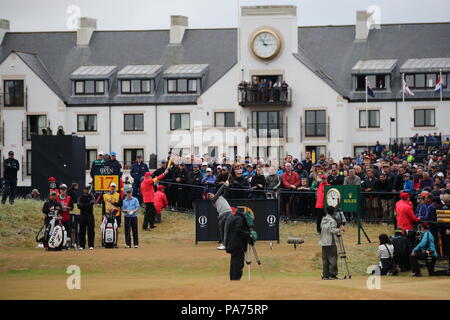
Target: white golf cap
113	185
209	169
204	163
101	153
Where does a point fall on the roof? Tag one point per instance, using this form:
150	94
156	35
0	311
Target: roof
426	65
336	52
376	66
93	72
60	57
141	71
186	70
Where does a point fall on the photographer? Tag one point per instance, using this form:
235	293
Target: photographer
329	228
424	250
385	253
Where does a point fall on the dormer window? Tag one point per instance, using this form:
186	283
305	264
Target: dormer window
424	80
92	80
185	78
423	73
138	79
378	73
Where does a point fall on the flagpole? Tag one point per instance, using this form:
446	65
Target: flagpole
441	83
403	87
367	120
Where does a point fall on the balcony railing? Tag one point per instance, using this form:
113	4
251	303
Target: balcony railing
264	96
315	130
267	130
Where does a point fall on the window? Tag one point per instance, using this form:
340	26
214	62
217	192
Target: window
374	119
87	123
133	122
182	85
35	124
268	153
359	150
377	82
90	156
28	164
130	156
267	124
180	121
424	118
315	125
14	93
224	119
90	87
424	80
213	152
136	86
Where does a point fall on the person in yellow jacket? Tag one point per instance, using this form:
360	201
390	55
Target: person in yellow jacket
112	204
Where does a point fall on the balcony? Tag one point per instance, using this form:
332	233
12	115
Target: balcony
315	130
267	130
264	96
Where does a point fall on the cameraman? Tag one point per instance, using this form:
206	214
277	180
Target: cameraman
424	250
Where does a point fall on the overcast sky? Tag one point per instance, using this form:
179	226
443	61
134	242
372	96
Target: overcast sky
40	15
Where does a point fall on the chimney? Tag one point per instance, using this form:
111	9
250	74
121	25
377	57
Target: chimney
4	28
86	26
362	28
178	24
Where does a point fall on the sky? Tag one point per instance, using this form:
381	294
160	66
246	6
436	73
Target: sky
60	15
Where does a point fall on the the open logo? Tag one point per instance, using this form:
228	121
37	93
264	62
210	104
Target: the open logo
202	220
271	220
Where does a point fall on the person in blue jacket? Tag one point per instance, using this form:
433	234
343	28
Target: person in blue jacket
429	214
424	250
408	185
138	171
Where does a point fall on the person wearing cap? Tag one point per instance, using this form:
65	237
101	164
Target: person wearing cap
112	203
422	206
87	222
138	170
53	185
209	180
10	168
97	163
402	250
429	214
405	214
204	167
224	211
424	250
33	195
130	209
320	197
114	164
195	179
160	202
408	185
182	196
148	195
371	201
66	207
51	205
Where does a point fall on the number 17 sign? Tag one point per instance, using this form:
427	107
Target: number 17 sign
102	183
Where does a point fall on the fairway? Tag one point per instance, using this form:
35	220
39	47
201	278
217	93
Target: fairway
168	265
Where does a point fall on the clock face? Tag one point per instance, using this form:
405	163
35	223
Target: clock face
333	198
266	44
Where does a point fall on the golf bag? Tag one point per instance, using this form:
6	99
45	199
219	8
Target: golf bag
109	231
55	235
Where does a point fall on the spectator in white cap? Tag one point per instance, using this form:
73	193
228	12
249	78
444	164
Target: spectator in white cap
112	204
99	162
204	167
209	180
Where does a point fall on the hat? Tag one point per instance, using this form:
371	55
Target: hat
113	185
195	165
404	195
11	153
249	165
209	170
35	191
147	174
52	192
163	161
51	179
160	187
324	176
100	153
219	167
113	153
129	190
63	186
204	163
182	163
423	194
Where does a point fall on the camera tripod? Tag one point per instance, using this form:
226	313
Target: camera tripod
342	255
248	259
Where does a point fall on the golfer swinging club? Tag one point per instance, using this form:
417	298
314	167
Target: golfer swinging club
224	210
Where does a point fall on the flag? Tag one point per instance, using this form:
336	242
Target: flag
369	89
406	89
439	84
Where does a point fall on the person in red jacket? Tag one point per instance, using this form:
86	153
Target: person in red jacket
405	213
290	181
160	202
66	206
148	195
320	194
